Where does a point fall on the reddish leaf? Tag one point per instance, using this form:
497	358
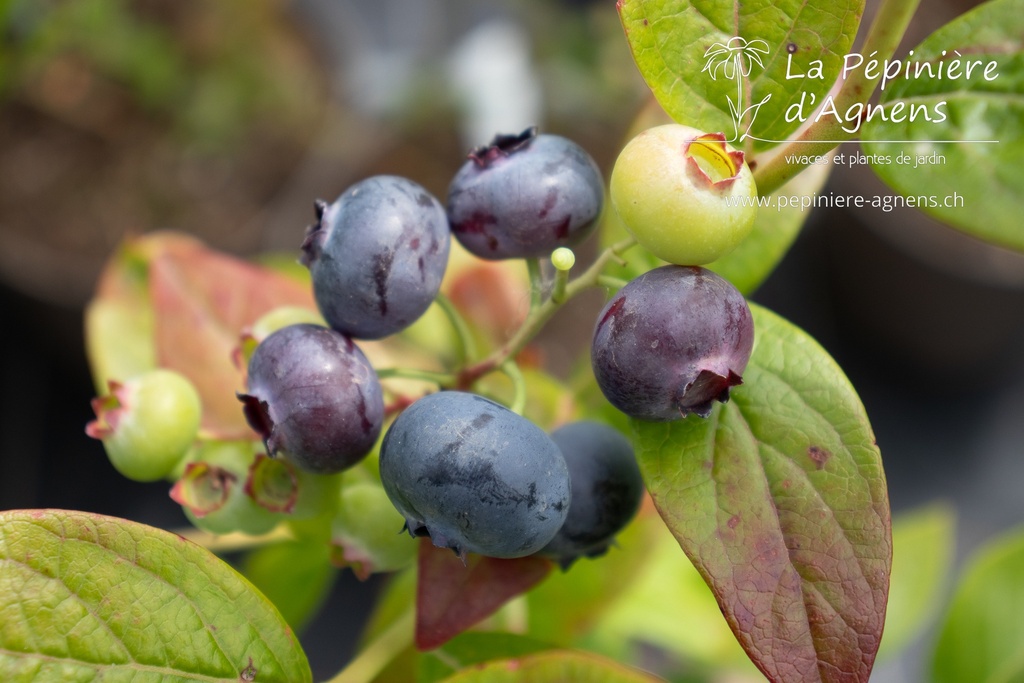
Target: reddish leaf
779	499
202	300
451	597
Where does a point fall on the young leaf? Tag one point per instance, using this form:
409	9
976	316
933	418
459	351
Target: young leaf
565	608
707	61
982	636
779	499
553	667
85	596
923	541
451	597
988	177
202	300
167	300
666	604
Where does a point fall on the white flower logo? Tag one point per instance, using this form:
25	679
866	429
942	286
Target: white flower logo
734	60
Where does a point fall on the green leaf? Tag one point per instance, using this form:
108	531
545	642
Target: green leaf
987	177
666	604
565	608
779	499
294	575
775	229
671	41
84	597
922	555
552	667
982	637
474	648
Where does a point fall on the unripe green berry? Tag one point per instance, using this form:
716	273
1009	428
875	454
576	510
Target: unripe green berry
213	494
685	195
366	532
147	424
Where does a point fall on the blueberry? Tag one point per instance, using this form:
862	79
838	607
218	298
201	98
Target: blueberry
377	256
147	423
524	196
474	476
671	342
314	398
686	196
606	489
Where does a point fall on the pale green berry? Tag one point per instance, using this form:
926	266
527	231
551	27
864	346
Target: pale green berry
213	492
147	423
685	195
366	532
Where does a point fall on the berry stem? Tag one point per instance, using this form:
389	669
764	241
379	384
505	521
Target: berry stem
613	283
540	315
536	283
379	653
441	378
466	342
512	371
235	541
561	282
884	36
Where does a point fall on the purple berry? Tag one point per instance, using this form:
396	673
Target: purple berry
671	342
524	196
377	256
314	398
606	490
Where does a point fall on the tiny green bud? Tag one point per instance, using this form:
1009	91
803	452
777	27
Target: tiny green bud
563	258
365	532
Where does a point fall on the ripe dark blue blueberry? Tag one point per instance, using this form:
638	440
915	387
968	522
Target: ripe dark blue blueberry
474	476
606	490
671	342
524	196
377	256
314	398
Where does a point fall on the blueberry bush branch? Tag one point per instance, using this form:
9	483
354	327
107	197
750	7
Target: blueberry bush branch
542	314
467	345
379	652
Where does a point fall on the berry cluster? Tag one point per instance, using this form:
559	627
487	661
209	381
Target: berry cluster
473	475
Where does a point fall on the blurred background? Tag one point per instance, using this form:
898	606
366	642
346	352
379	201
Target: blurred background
226	120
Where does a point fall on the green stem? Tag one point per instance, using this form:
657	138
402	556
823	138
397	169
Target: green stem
226	543
458	323
511	369
883	37
536	282
561	281
378	654
610	282
440	378
540	315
